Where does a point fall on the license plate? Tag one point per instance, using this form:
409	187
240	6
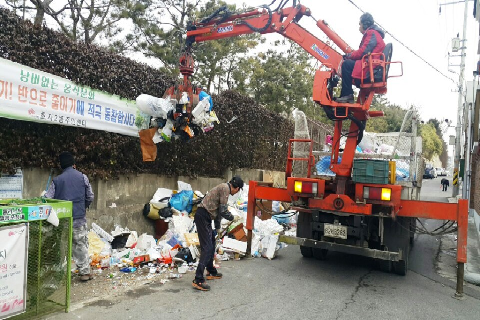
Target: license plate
334	231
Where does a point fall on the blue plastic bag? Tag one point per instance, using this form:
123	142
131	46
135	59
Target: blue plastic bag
203	95
323	166
182	201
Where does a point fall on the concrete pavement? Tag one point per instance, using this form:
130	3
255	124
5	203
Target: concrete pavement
430	192
472	268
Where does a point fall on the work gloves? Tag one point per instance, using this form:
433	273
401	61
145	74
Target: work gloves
236	218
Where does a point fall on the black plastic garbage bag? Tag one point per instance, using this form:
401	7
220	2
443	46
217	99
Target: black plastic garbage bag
185	254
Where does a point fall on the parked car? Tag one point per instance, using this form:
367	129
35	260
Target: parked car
430	173
440	171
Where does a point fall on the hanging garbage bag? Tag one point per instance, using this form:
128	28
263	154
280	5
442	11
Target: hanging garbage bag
204	95
182	201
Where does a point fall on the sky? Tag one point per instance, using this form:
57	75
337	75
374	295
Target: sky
419	26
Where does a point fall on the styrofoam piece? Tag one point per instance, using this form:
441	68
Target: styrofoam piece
101	233
235	244
194	251
161	193
132	239
184	186
183	268
119	231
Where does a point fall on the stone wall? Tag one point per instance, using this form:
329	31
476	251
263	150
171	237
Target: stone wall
120	202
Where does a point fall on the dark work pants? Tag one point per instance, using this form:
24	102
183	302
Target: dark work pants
347	69
205	235
445	187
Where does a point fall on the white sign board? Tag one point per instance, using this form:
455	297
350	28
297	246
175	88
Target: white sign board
11	186
13	269
33	95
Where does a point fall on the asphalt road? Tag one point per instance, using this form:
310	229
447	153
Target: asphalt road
293	287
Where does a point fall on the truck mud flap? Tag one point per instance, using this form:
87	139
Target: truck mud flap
372	253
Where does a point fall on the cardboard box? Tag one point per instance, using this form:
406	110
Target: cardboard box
239	233
191	239
263	209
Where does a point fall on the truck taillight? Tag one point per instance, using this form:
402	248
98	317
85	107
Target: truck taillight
373	193
306	187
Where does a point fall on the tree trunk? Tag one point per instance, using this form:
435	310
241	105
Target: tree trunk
39	17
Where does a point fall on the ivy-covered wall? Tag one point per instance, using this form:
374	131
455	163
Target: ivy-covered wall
256	139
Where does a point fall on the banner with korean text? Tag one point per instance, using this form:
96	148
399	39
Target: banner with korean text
32	95
13	269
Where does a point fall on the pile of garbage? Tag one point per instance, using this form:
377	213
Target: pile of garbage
177	251
372	143
173	119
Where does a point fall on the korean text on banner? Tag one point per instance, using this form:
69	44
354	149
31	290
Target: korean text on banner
32	95
13	269
11	185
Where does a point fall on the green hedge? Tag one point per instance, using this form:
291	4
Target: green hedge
257	139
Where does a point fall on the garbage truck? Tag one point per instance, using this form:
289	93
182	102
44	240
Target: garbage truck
363	208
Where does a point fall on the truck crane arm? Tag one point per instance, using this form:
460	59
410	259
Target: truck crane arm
285	21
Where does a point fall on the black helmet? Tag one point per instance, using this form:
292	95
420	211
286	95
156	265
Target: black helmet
237	182
366	20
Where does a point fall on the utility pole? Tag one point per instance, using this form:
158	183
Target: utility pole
458	138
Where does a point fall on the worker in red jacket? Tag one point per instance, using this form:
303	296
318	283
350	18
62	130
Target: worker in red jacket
372	42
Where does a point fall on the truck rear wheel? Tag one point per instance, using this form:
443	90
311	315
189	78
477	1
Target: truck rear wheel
320	254
397	235
306	251
401	267
304	230
385	265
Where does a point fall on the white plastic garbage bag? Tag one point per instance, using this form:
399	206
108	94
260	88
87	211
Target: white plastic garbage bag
160	194
167	131
386	149
184	98
267	227
145	242
53	218
200	112
182	224
255	245
156	107
269	245
154	254
368	144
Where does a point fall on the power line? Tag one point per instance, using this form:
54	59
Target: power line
395	38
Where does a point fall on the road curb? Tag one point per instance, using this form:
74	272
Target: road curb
472	270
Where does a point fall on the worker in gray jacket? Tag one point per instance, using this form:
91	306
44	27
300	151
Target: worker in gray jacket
213	207
72	185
